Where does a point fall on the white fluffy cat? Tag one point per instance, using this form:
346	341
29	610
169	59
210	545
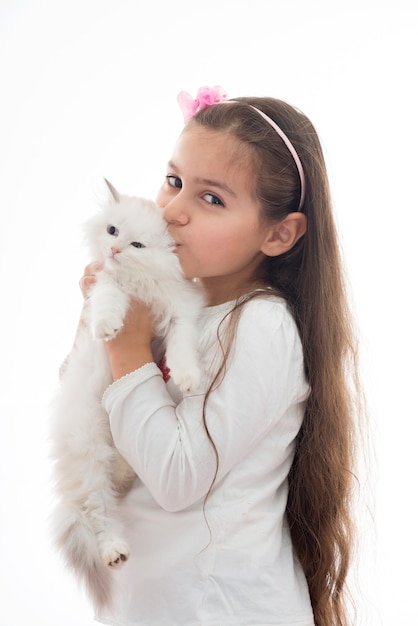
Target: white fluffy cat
129	236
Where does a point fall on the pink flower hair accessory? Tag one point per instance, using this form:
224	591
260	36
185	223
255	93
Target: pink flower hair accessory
206	96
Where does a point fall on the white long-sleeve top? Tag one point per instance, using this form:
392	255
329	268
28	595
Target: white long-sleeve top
230	562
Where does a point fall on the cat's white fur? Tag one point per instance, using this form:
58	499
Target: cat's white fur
89	472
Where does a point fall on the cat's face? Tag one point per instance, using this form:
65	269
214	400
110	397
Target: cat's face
128	232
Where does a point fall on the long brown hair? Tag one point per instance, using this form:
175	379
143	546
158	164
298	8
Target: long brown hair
310	277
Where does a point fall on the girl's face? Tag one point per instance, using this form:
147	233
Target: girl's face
212	213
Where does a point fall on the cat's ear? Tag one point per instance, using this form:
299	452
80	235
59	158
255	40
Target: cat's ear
113	191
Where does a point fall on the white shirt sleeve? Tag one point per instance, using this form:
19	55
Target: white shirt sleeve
167	445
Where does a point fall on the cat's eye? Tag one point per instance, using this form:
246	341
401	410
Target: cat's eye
112	230
137	244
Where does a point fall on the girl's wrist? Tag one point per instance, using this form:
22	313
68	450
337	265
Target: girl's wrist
126	357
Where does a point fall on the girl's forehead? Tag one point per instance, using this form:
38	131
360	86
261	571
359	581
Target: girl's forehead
205	147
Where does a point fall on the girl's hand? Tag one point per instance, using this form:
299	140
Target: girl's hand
130	349
89	277
138	326
86	282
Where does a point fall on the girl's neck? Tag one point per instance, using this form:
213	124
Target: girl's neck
225	292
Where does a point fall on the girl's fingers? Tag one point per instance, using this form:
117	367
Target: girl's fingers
86	283
89	277
92	268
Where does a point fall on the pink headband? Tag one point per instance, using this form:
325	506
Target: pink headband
207	96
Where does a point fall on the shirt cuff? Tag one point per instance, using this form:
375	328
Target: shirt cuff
138	376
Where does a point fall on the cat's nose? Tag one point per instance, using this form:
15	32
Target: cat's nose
115	251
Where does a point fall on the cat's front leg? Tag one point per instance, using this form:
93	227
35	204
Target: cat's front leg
182	354
108	305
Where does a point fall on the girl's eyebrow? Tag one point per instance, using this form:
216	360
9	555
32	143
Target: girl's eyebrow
207	181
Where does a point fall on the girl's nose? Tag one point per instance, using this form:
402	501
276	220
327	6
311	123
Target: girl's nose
175	213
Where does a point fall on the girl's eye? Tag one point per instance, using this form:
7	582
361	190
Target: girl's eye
137	244
174	181
112	230
211	199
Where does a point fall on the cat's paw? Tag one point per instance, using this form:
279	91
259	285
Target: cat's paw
106	329
114	552
186	379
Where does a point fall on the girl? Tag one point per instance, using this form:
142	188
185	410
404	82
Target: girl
240	514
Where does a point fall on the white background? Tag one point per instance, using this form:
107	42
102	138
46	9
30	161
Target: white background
88	89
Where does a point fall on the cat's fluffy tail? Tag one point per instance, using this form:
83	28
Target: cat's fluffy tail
77	542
